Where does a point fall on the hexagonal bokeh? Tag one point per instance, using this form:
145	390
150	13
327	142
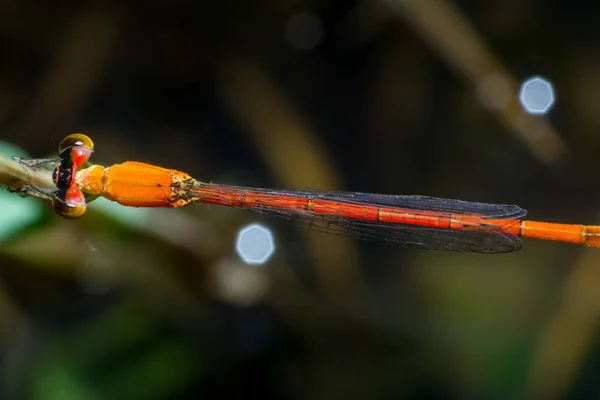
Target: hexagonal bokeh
536	95
255	244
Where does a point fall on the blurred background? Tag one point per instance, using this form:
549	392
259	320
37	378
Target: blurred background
387	96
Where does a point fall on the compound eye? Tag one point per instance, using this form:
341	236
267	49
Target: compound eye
79	155
65	210
76	140
70	204
77	148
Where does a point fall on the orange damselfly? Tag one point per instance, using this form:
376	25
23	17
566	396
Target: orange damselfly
411	221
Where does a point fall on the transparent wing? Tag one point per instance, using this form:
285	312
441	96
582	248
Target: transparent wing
479	236
485	239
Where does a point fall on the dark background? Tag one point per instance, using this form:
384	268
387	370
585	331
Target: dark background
399	97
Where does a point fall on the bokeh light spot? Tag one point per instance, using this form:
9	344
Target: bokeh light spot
536	95
238	284
304	31
255	244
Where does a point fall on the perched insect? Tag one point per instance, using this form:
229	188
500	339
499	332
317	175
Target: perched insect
410	221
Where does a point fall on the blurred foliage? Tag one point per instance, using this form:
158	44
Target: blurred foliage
381	96
16	214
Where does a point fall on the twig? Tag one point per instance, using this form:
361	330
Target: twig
27	180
